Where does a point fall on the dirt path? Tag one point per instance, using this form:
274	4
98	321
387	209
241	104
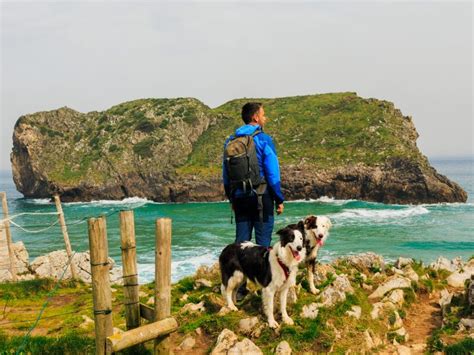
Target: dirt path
423	317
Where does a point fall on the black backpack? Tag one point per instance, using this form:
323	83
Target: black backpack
241	162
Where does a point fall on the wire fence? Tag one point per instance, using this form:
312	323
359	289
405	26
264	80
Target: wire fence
44	228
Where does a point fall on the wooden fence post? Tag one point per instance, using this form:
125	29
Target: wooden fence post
101	292
62	222
162	279
8	235
129	269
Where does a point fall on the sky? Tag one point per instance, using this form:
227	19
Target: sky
92	55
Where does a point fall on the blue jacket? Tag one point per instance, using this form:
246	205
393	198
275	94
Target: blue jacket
267	162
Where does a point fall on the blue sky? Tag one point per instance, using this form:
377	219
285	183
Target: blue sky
90	56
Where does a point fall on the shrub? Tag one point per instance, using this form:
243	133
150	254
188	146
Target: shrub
144	148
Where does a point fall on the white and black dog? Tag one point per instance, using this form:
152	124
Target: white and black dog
272	268
316	233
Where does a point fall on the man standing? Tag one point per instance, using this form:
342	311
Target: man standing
253	205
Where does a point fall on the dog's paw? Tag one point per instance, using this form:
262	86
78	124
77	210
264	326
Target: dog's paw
288	321
314	290
273	324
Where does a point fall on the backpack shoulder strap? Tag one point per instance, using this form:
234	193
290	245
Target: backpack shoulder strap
258	131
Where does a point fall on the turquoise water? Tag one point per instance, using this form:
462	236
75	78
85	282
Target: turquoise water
200	230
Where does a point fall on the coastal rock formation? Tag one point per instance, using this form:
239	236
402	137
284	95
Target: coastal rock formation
338	145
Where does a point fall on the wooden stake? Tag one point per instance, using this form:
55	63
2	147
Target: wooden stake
129	269
162	280
62	222
11	253
101	292
140	335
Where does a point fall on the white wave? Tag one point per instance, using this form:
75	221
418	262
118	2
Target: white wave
381	214
126	202
323	199
179	268
39	201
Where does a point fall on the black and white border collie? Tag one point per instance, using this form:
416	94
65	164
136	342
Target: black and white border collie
274	269
317	231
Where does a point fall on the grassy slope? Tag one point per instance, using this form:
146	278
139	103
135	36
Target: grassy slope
332	329
326	130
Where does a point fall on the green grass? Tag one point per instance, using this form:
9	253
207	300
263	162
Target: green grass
65	344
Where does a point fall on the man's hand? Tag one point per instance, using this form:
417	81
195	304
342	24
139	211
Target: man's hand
280	208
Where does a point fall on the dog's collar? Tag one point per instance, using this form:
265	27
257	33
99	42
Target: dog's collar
285	268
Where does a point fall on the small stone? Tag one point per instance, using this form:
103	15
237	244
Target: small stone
367	287
225	341
283	348
187	344
184	298
411	274
310	311
368	340
244	347
198	331
142	294
355	312
445	298
402	332
193	307
467	323
376	307
247	325
87	322
391	284
396	297
402	262
224	310
151	300
202	283
403	350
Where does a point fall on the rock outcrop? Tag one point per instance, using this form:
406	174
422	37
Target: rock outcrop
171	149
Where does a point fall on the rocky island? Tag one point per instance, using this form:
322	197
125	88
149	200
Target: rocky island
169	150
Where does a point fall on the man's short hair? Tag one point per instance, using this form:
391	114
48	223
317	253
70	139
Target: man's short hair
249	109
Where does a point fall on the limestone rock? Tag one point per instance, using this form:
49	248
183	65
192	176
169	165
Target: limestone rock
396	297
187	344
380	306
193	307
411	274
468	323
445	298
321	272
336	292
371	340
244	347
52	265
225	341
202	283
87	322
355	312
403	350
247	325
366	261
142	294
391	284
310	311
20	260
402	262
151	300
283	348
458	278
444	264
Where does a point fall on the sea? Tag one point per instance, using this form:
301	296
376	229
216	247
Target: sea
201	230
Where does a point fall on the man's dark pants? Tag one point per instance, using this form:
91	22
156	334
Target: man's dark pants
247	218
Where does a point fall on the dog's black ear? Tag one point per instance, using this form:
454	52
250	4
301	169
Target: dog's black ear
286	235
310	222
300	226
